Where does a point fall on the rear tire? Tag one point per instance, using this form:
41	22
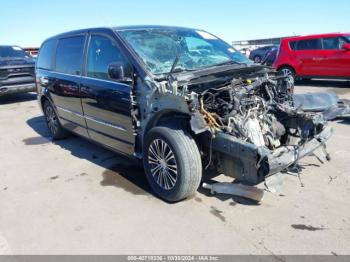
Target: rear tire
172	163
53	123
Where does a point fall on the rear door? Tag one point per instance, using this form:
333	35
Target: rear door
309	56
336	60
106	103
65	83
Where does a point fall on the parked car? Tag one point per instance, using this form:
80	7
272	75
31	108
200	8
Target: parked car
181	100
244	51
16	71
270	57
258	54
315	56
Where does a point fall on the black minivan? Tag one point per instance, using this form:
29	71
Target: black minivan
180	99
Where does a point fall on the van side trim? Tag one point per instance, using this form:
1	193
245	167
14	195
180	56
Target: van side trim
99	121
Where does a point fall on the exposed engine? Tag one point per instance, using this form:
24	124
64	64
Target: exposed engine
258	111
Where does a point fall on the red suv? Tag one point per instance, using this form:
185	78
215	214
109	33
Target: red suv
321	56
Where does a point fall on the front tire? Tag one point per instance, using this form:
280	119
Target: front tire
53	123
172	163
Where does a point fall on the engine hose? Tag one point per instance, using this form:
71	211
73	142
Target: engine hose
209	118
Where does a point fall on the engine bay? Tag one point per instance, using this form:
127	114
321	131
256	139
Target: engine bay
258	111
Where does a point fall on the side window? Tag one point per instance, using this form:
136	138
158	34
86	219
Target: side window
293	45
102	52
332	43
311	44
69	55
46	54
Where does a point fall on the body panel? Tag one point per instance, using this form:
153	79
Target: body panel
107	110
64	92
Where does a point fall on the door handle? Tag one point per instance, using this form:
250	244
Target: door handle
317	59
44	81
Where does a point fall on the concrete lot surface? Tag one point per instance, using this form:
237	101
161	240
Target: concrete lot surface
74	197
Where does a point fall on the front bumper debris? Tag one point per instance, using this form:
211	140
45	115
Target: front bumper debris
292	154
251	164
250	192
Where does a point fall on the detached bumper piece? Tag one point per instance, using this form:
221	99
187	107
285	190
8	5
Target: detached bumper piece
251	164
327	102
250	192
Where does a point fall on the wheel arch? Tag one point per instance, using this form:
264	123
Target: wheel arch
287	65
44	95
43	99
161	118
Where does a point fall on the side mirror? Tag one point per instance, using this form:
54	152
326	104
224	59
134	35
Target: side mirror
346	47
121	72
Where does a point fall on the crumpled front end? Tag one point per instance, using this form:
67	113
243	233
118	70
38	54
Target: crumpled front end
251	164
251	130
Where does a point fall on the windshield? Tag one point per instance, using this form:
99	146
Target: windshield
12	52
348	38
196	49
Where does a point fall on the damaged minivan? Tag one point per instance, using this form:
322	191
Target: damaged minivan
181	100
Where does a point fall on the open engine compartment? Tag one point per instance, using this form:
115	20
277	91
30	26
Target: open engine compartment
259	111
255	130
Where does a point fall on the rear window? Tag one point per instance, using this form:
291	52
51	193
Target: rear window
69	55
46	54
310	44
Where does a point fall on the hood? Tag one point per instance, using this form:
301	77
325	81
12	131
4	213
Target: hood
206	78
17	62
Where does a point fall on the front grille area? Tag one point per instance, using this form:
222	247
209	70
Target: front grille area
16	76
16	72
3	73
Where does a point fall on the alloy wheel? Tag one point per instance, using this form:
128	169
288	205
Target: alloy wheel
51	119
162	163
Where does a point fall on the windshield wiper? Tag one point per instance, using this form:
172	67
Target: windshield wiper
176	61
171	77
229	62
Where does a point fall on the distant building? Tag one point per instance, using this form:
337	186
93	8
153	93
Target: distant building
245	46
258	42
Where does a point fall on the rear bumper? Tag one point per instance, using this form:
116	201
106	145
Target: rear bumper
252	165
14	89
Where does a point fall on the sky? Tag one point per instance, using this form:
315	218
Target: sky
28	23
